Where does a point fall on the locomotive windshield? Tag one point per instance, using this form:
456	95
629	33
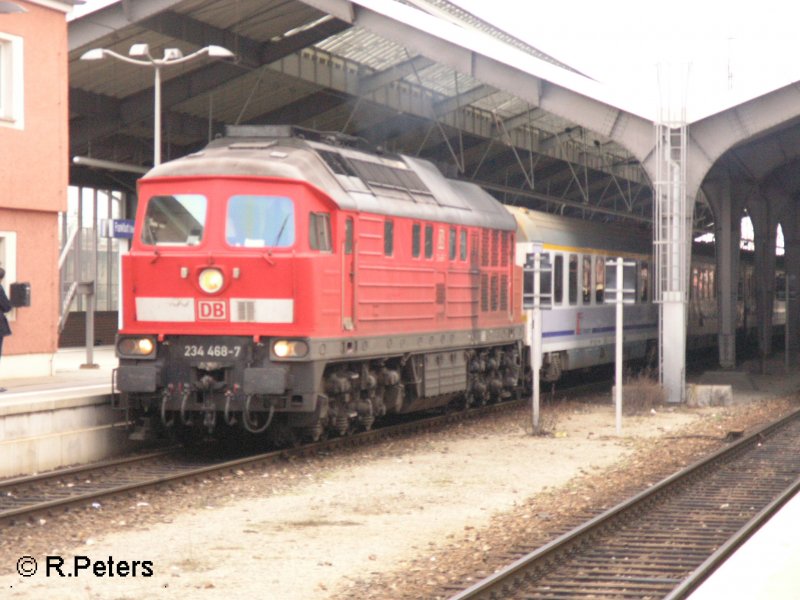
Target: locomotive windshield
177	220
260	221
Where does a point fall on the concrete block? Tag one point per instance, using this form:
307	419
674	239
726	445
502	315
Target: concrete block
700	396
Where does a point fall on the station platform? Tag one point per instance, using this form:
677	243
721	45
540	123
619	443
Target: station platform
766	567
61	419
67	373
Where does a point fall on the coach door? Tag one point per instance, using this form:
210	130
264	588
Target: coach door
348	275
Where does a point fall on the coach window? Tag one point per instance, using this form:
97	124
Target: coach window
428	241
573	279
463	255
600	278
586	274
415	240
319	231
453	243
177	220
260	221
712	287
558	279
644	286
388	237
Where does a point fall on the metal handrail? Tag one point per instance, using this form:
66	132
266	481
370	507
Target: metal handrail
67	247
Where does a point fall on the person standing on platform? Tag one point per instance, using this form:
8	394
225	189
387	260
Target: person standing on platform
5	306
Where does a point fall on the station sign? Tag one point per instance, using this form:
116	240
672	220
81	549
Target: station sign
122	228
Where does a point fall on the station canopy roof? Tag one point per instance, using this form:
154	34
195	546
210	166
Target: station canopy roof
295	64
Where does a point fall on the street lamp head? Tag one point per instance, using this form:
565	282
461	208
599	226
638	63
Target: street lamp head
140	50
219	52
172	53
93	54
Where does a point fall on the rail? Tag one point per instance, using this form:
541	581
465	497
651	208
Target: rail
650	544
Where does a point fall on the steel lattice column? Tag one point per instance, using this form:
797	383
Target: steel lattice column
670	230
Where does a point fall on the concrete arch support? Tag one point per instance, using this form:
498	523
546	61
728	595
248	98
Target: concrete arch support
765	222
727	208
791	242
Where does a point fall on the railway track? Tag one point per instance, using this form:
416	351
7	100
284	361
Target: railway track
23	498
666	540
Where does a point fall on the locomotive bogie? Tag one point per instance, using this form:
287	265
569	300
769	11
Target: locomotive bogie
185	389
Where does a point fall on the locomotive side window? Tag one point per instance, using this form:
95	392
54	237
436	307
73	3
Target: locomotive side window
573	279
177	220
428	241
453	243
260	221
388	237
348	235
319	231
463	255
415	240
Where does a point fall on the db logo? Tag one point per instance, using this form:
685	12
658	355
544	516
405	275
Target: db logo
212	310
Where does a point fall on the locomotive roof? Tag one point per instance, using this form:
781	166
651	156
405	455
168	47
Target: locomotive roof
354	179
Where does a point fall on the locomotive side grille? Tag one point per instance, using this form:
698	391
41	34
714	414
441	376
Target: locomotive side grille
440	293
494	296
485	248
374	173
495	247
245	310
504	292
484	292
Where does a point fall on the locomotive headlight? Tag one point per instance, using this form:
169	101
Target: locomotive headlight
290	348
211	280
136	347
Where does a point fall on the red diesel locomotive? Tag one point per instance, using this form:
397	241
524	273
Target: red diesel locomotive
287	282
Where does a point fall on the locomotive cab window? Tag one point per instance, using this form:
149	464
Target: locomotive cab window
177	220
260	221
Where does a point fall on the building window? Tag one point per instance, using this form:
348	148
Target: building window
11	82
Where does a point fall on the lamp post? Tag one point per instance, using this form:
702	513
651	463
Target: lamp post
142	57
